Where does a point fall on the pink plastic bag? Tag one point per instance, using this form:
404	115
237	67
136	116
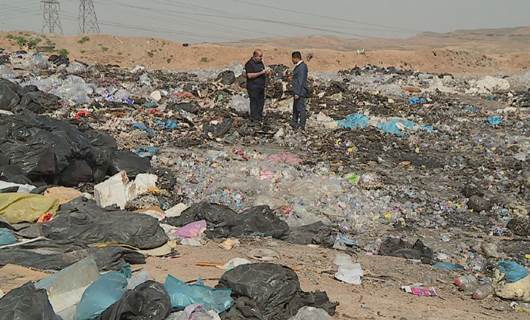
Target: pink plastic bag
191	230
285	157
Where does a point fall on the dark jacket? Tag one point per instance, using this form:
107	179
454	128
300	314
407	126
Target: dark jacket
299	82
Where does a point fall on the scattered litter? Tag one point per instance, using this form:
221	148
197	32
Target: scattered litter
495	120
448	266
348	271
264	254
420	291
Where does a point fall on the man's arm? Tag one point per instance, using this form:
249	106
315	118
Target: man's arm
304	80
254	75
297	83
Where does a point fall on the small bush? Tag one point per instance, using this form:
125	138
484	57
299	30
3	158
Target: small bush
204	59
21	41
63	53
104	49
32	43
83	39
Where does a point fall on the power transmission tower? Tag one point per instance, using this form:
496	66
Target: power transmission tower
88	21
51	22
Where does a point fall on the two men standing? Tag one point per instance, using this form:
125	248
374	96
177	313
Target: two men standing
256	80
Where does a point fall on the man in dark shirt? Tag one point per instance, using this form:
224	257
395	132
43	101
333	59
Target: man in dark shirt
300	91
256	79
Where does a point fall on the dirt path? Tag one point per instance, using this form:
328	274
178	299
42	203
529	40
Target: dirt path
379	297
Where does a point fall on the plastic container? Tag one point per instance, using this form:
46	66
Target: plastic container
483	291
466	283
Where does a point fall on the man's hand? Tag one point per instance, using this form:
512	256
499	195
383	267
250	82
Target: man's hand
296	97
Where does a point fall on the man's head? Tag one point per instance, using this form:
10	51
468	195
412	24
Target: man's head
258	55
296	57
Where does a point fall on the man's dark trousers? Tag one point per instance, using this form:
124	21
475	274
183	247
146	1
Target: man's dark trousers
299	112
257	102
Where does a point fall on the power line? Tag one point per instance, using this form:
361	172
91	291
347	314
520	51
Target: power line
334	18
50	16
264	20
216	26
88	21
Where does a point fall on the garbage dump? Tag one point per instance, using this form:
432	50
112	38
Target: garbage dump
149	194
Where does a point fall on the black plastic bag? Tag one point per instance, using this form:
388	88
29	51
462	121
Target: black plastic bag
148	301
26	303
398	248
50	255
191	107
39	102
259	221
83	221
13	174
59	60
315	233
226	77
269	291
223	222
54	151
129	161
77	172
8	95
219	129
216	215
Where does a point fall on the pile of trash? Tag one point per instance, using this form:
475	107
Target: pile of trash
81	292
42	150
104	167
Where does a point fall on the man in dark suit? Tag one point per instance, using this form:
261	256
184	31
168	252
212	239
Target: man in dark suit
300	91
256	79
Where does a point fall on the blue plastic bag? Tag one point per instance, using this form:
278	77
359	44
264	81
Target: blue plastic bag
146	151
7	237
413	101
513	271
393	125
495	120
354	121
183	295
100	295
448	266
168	124
143	127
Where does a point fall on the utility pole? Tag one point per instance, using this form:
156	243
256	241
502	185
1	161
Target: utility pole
88	21
51	23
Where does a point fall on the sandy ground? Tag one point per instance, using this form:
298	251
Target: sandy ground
379	297
480	52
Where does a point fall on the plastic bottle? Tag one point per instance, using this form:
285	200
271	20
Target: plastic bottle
483	291
466	283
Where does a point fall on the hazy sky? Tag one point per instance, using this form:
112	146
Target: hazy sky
228	20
